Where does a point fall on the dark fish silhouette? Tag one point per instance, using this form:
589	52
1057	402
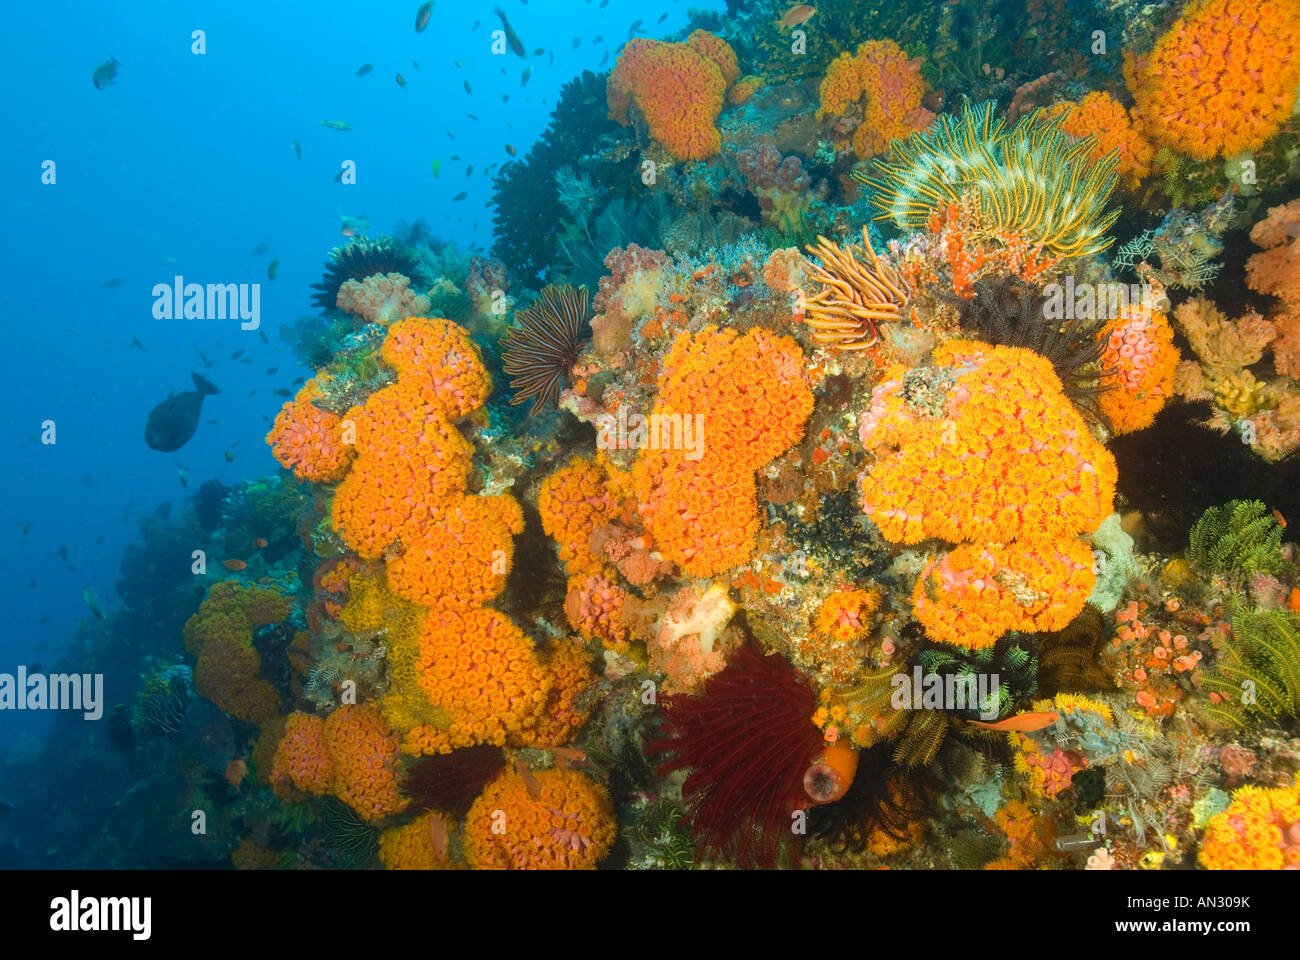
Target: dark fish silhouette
105	74
172	422
512	38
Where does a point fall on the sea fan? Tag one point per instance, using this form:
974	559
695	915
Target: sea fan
747	743
544	345
357	259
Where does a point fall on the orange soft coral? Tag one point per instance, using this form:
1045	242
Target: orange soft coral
1276	270
302	760
678	87
747	399
976	593
364	752
438	357
548	820
983	446
482	675
1101	115
1140	357
381	298
1260	830
892	87
1222	79
308	440
462	555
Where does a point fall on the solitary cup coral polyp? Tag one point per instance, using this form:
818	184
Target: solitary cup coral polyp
1222	79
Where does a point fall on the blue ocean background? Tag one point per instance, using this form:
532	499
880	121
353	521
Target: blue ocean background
183	167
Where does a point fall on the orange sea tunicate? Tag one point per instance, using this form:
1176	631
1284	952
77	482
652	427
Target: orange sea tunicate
481	673
1140	357
678	87
984	447
1222	79
309	440
977	592
381	298
460	558
364	753
891	85
740	401
302	759
1100	114
550	820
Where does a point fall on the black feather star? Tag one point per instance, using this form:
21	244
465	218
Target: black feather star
545	343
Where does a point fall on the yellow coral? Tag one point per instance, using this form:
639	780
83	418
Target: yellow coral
1260	830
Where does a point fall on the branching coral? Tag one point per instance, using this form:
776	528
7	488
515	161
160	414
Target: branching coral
1033	180
1222	79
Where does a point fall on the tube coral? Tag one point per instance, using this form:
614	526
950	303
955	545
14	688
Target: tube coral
1139	360
1260	830
309	440
881	75
364	753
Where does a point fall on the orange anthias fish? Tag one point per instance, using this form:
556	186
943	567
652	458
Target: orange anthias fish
439	835
1022	722
530	782
236	770
799	13
235	565
569	755
259	542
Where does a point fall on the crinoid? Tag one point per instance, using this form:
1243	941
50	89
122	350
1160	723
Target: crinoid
1032	181
855	295
543	346
1011	312
357	259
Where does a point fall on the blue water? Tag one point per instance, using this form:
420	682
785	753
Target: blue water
182	167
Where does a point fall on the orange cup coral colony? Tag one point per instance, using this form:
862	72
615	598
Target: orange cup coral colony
1140	358
1223	78
881	76
678	87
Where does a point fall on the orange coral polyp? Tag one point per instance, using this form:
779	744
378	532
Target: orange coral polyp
302	759
1222	79
890	84
308	440
1100	114
438	358
364	753
569	825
